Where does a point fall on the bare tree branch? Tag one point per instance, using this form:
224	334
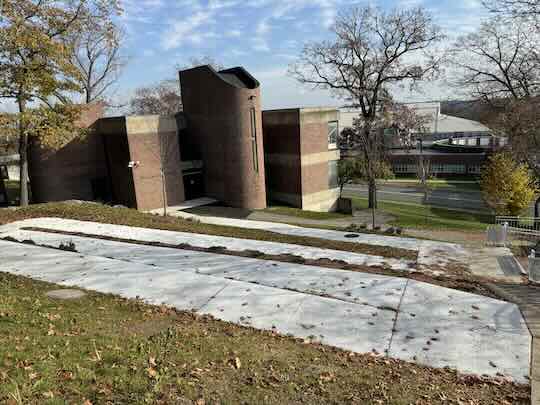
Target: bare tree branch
372	51
498	61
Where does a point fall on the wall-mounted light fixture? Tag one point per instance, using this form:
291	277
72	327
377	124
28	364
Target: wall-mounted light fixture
133	164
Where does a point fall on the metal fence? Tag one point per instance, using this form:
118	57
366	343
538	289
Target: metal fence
528	227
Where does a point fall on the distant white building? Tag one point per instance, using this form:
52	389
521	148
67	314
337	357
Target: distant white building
438	126
454	145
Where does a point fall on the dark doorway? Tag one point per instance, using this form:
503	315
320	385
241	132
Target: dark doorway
193	184
101	190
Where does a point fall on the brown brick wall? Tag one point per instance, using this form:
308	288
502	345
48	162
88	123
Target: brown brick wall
66	173
145	149
282	152
283	179
218	119
118	157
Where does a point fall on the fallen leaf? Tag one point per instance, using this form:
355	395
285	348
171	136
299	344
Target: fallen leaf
237	363
152	373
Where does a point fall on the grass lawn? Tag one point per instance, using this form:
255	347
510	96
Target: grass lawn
297	212
104	349
465	185
424	217
131	217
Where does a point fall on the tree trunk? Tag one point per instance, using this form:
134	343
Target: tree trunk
372	187
23	156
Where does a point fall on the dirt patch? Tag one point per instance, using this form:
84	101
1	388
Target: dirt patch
150	327
467	238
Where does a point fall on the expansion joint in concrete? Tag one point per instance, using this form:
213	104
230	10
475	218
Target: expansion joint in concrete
394	324
213	297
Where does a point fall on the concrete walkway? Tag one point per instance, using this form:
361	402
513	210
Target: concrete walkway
491	262
207	241
528	299
430	253
433	256
401	318
496	262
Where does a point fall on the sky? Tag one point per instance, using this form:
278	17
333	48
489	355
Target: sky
264	36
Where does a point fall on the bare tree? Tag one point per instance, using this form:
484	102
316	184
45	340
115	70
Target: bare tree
164	98
514	8
500	65
372	51
160	99
498	62
98	58
95	51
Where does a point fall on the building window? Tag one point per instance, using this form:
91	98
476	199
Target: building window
403	168
253	119
333	174
448	168
333	128
475	169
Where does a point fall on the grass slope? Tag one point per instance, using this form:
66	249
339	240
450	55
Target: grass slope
297	212
103	349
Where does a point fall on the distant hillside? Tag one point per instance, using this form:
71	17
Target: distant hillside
471	110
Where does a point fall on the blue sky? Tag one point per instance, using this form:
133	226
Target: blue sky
264	36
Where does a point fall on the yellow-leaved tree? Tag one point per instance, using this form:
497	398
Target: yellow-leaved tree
508	186
36	50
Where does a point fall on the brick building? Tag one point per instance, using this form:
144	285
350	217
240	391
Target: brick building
220	146
301	157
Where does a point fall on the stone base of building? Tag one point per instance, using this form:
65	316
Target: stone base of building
322	201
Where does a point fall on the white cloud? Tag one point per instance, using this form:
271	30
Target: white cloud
186	30
233	33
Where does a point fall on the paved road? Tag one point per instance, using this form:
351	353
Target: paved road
448	198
